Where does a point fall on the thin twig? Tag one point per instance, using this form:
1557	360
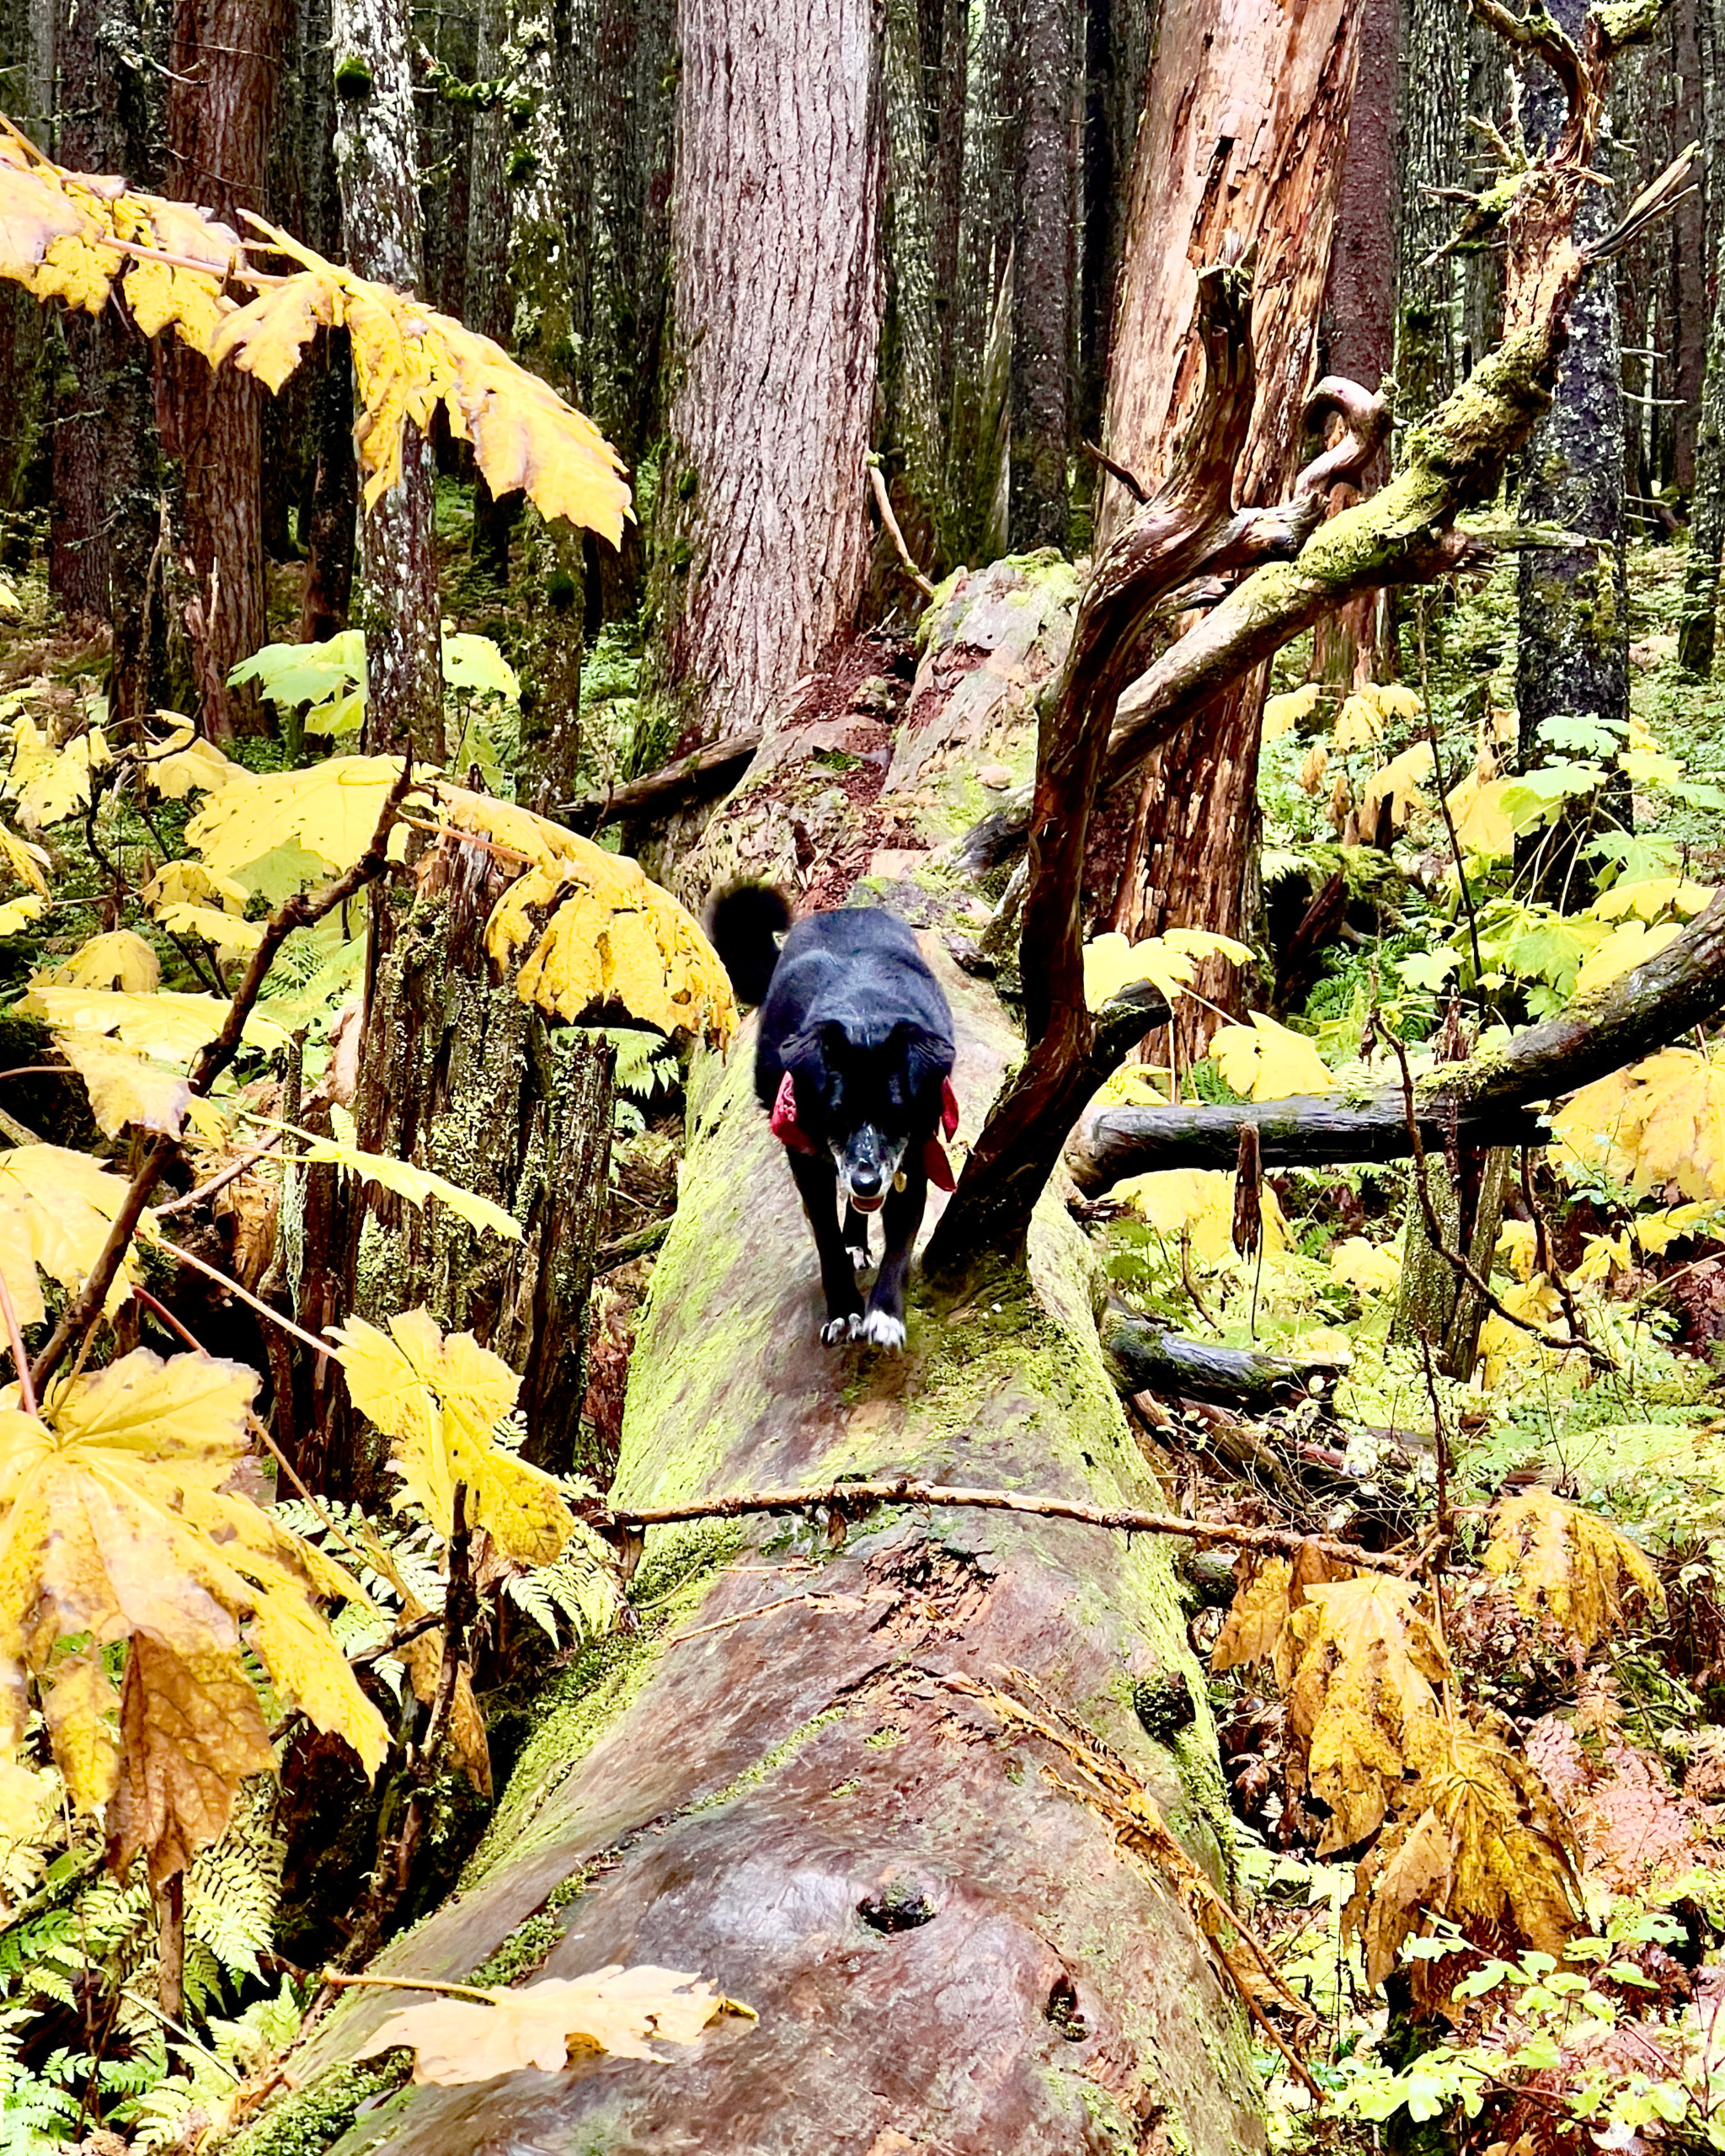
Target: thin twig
1130	480
344	1983
878	484
849	1496
252	1302
300	911
1431	735
232	1173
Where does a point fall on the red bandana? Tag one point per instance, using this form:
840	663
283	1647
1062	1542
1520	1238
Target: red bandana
936	1166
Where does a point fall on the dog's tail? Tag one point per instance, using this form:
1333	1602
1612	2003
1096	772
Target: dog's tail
746	924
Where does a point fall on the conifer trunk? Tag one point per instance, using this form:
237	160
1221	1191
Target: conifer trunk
1245	132
776	299
376	157
225	63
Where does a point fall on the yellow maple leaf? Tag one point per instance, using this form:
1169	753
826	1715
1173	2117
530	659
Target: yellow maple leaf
1359	723
406	1180
1282	713
330	809
1569	1565
1255	1618
190	884
1398	783
166	1024
56	1207
1360	1663
26	861
1502	1344
1650	897
1264	1061
1663	1120
1482	829
125	1087
440	1401
268	337
1371	1269
119	959
50	783
1168	962
1626	947
1314	768
1519	1241
227	933
182	762
615	2010
119	1521
1198	1203
17	914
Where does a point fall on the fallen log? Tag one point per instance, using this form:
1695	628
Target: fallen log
707	771
1489	1100
1143	1358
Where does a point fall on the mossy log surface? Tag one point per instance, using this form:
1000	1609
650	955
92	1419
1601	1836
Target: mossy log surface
769	1783
1485	1101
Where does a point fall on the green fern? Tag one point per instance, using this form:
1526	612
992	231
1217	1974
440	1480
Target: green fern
580	1588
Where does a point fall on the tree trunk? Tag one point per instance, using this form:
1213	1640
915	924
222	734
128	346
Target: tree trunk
1357	337
916	300
548	244
490	306
78	533
764	534
375	157
980	366
1119	36
1706	524
1433	1303
329	514
225	60
1572	660
1044	345
459	1075
1217	156
1434	151
944	1949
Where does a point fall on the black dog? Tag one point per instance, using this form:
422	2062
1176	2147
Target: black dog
854	1063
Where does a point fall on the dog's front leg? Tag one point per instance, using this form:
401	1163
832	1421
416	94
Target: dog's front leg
901	1216
820	1190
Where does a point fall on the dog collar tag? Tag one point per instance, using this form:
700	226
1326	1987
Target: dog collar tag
783	1123
949	1113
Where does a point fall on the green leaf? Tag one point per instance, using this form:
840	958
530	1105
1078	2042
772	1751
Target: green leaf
292	674
1584	734
1427	968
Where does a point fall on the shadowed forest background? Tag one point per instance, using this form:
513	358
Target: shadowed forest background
1213	512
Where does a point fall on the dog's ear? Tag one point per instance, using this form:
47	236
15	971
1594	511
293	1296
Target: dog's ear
928	1059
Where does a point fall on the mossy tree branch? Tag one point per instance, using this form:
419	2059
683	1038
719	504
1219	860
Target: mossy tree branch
1407	533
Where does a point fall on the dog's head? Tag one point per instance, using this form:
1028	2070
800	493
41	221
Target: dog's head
868	1103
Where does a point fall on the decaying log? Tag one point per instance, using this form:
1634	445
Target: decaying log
685	778
1486	1101
1143	1358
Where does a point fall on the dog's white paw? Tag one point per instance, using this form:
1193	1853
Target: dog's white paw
881	1330
858	1254
838	1330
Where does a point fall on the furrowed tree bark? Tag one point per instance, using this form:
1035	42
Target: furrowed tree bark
771	1781
459	1075
224	63
490	306
1044	348
1572	650
764	532
1485	1101
376	157
1247	114
1697	630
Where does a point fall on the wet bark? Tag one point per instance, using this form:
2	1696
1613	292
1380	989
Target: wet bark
887	1878
1357	334
375	157
1044	343
459	1075
1573	657
225	65
1434	148
763	537
1245	132
106	510
489	306
1697	630
982	308
1433	1303
550	181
